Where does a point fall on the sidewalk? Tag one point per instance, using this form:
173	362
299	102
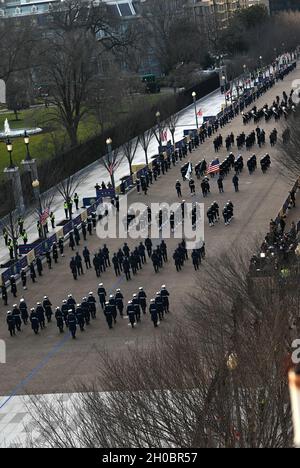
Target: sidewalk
209	105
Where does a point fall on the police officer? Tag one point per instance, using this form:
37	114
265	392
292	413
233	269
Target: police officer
10	320
24	311
153	312
24	278
40	315
72	323
102	295
165	298
17	316
142	296
131	314
59	319
66	208
80	317
24	236
92	304
34	320
119	301
48	308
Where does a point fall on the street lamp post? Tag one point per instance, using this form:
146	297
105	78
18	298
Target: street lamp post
224	82
36	190
110	161
244	74
26	141
37	194
9	147
159	129
195	106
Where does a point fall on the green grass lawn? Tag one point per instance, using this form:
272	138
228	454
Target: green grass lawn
54	138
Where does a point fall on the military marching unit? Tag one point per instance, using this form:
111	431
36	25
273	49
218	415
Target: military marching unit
72	315
79	315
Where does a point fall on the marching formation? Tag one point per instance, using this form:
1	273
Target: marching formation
73	315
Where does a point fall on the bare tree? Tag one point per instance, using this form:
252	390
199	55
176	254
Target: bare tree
70	57
171	123
111	161
67	189
18	40
289	158
217	380
10	224
129	149
145	140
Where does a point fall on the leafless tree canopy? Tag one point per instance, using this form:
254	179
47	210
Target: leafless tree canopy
290	154
218	379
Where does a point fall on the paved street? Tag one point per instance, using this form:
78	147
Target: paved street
50	363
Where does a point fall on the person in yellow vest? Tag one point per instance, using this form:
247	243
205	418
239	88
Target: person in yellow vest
25	237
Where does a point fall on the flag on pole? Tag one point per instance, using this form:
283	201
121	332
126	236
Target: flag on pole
44	216
164	135
189	172
214	167
200	113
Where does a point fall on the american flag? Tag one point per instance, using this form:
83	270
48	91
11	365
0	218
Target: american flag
44	216
213	167
164	135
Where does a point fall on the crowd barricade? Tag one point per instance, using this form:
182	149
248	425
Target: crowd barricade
40	247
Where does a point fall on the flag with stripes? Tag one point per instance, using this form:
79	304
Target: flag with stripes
44	216
214	167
